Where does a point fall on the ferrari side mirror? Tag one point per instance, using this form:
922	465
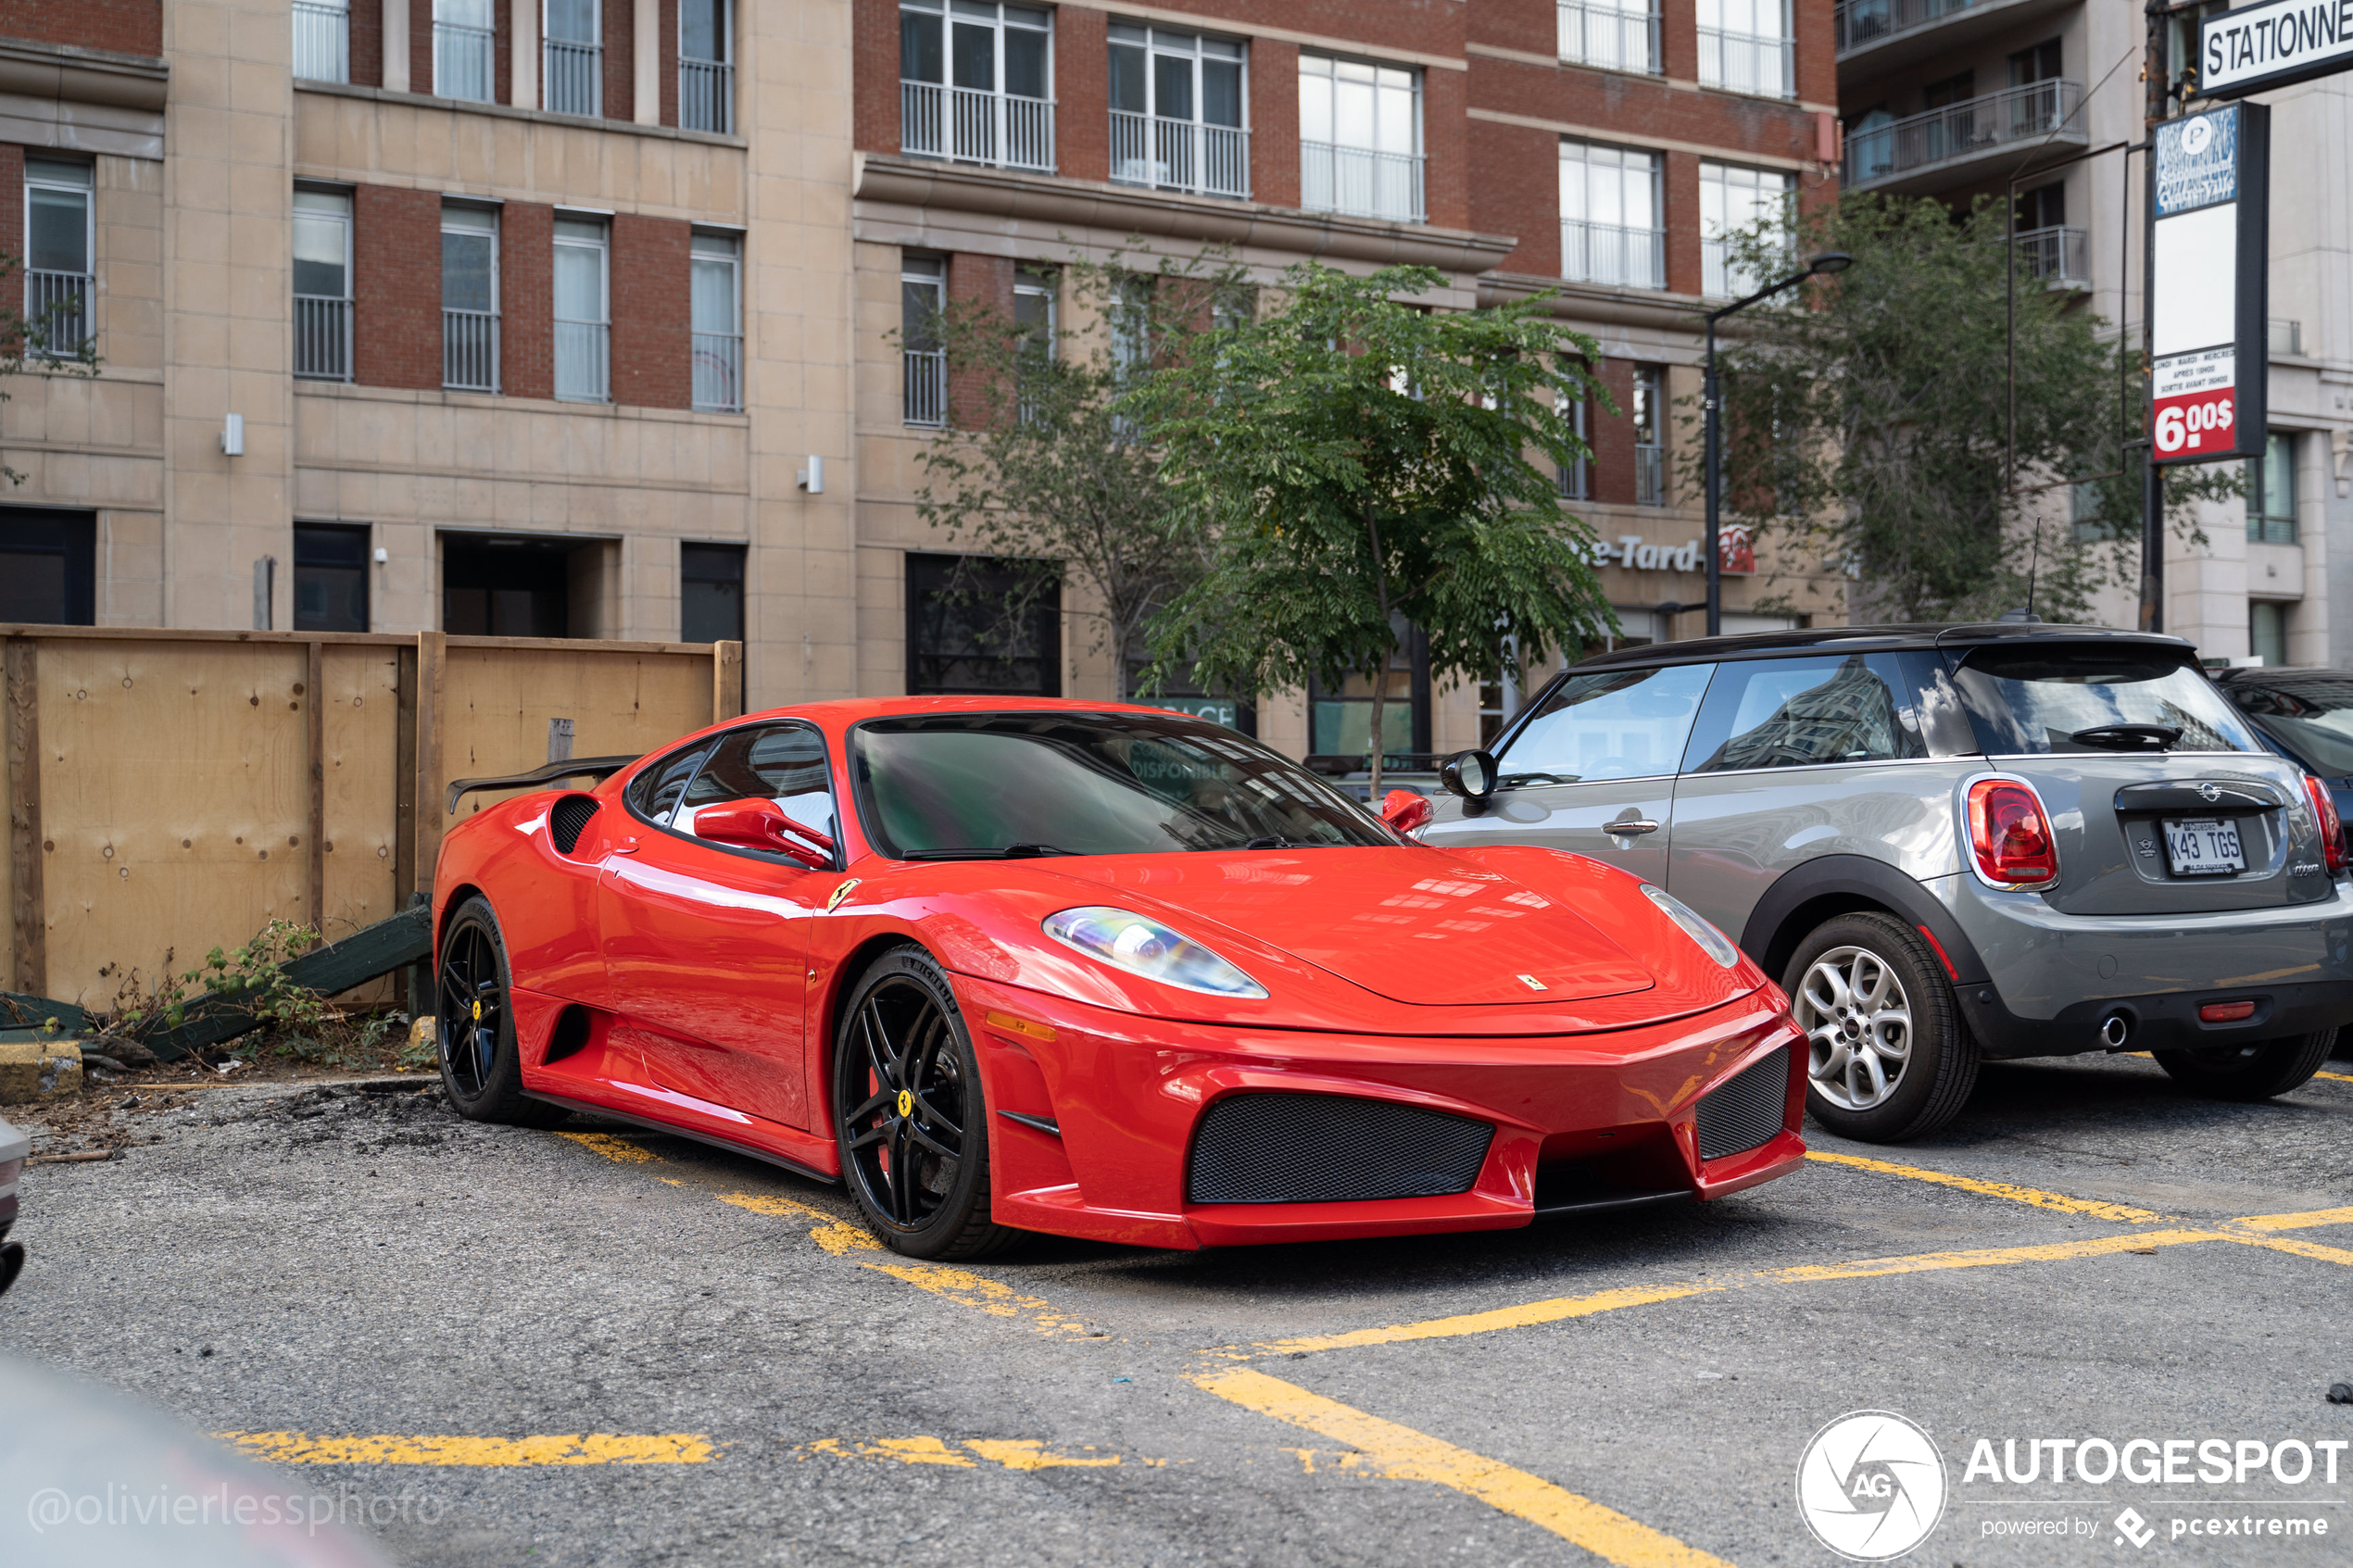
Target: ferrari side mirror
1404	811
1470	774
762	825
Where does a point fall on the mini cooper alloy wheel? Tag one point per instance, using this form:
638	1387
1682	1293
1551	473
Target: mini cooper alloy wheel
1858	1027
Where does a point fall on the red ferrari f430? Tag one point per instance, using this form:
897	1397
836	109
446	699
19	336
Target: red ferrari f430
1007	965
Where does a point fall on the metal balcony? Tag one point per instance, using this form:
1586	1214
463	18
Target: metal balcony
1180	155
926	397
573	82
1608	37
1359	182
321	338
57	309
1762	64
719	371
1884	36
706	96
1929	151
469	350
969	126
2056	255
463	59
322	41
1607	253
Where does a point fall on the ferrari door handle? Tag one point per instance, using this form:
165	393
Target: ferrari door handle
1627	827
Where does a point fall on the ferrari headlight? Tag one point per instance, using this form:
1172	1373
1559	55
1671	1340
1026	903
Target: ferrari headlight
1712	942
1147	947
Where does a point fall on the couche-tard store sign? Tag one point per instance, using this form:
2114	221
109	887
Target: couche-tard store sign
1737	550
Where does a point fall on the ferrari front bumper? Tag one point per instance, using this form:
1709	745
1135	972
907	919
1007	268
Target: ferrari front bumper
1097	1116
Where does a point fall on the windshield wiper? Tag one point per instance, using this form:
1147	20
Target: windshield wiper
1009	852
2129	737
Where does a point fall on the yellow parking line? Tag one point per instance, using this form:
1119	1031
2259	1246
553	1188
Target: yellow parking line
834	1235
969	1289
1525	1315
611	1148
2335	1077
2300	1249
1402	1454
2092	1207
2305	1221
587	1448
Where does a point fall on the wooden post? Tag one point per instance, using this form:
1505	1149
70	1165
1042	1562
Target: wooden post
315	694
404	779
432	649
726	682
30	914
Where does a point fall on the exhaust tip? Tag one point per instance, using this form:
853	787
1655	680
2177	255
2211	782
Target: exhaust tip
2114	1030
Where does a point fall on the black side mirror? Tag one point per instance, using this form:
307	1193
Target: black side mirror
1471	774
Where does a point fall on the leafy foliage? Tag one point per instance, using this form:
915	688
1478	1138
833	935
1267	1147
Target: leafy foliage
44	341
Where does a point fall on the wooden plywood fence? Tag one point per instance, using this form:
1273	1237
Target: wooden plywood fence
173	791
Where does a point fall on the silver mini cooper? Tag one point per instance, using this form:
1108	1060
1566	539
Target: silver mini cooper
1955	843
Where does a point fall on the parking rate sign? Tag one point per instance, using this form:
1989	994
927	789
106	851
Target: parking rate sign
2208	269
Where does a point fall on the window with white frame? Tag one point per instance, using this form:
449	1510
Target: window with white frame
923	296
719	321
1612	34
1745	46
470	299
1610	227
583	295
975	83
1733	199
706	66
1360	138
465	49
322	40
322	284
58	256
1176	112
571	57
1036	314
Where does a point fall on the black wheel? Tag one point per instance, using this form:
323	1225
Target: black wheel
909	1114
2259	1070
481	1072
1889	1057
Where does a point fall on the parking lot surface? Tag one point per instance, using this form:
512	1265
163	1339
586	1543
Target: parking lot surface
599	1346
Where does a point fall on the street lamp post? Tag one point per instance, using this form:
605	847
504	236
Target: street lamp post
1828	262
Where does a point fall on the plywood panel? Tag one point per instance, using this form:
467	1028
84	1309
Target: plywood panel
363	714
496	702
175	797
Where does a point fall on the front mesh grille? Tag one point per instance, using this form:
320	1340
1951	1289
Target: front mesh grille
1331	1149
569	820
1747	1110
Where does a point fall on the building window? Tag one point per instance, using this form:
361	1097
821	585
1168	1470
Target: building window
470	299
465	49
1576	477
330	577
582	299
1610	227
322	40
719	322
1744	47
1360	138
1613	35
1650	435
1036	314
976	86
507	587
48	567
58	262
2267	630
1339	721
1176	112
706	66
572	52
2270	488
1733	198
923	296
322	284
980	627
710	592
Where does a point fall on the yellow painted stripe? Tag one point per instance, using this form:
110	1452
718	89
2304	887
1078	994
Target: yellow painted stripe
2035	1195
1402	1454
1524	1316
611	1148
906	1451
969	1290
836	1236
1993	1256
1028	1454
2301	1249
587	1448
2305	1221
2335	1077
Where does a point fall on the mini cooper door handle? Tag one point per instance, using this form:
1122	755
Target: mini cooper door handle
1627	827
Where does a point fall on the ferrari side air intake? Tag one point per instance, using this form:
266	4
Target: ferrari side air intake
1331	1149
1746	1112
568	818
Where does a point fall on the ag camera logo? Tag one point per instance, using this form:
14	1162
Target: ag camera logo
1872	1485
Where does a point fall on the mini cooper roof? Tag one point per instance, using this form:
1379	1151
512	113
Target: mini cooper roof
1873	639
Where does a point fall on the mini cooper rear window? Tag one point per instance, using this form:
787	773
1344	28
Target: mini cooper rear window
1807	712
2059	699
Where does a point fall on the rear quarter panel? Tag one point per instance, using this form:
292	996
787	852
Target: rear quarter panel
546	902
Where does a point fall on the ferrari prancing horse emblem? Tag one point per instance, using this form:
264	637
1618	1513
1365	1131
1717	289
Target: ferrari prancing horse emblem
906	1103
1533	984
832	900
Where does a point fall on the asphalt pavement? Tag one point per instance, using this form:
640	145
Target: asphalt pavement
599	1346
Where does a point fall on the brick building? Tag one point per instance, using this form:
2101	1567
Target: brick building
580	318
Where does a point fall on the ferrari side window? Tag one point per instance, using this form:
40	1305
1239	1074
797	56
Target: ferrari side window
785	764
655	792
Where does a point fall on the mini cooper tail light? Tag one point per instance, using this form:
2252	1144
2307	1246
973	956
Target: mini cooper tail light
2332	827
2010	835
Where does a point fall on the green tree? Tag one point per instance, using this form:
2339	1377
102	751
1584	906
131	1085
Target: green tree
1867	418
53	341
1355	463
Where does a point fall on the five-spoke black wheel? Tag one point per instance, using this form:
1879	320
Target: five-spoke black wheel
481	1072
908	1113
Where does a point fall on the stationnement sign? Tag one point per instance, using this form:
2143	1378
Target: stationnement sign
2272	44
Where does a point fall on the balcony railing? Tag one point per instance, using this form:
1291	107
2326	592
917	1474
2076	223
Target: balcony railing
469	350
2286	337
1607	253
1868	21
706	96
1747	62
1365	184
1607	37
322	41
1573	482
57	305
463	59
926	386
581	364
575	78
975	127
2016	114
1649	476
1180	155
321	338
719	371
2055	255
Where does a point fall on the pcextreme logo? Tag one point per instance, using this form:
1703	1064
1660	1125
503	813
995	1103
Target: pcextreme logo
1872	1485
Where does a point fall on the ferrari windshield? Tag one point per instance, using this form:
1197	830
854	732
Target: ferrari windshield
977	785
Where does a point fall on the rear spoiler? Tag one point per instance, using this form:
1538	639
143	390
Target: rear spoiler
598	767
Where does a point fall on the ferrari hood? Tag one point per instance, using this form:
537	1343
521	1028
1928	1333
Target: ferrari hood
1405	923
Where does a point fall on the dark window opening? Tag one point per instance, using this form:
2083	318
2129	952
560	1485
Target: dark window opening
494	587
979	627
1339	720
48	567
2040	63
330	578
710	592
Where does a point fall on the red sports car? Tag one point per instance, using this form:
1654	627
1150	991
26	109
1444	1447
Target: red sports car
1009	965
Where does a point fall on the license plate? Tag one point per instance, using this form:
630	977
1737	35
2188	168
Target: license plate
2203	846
